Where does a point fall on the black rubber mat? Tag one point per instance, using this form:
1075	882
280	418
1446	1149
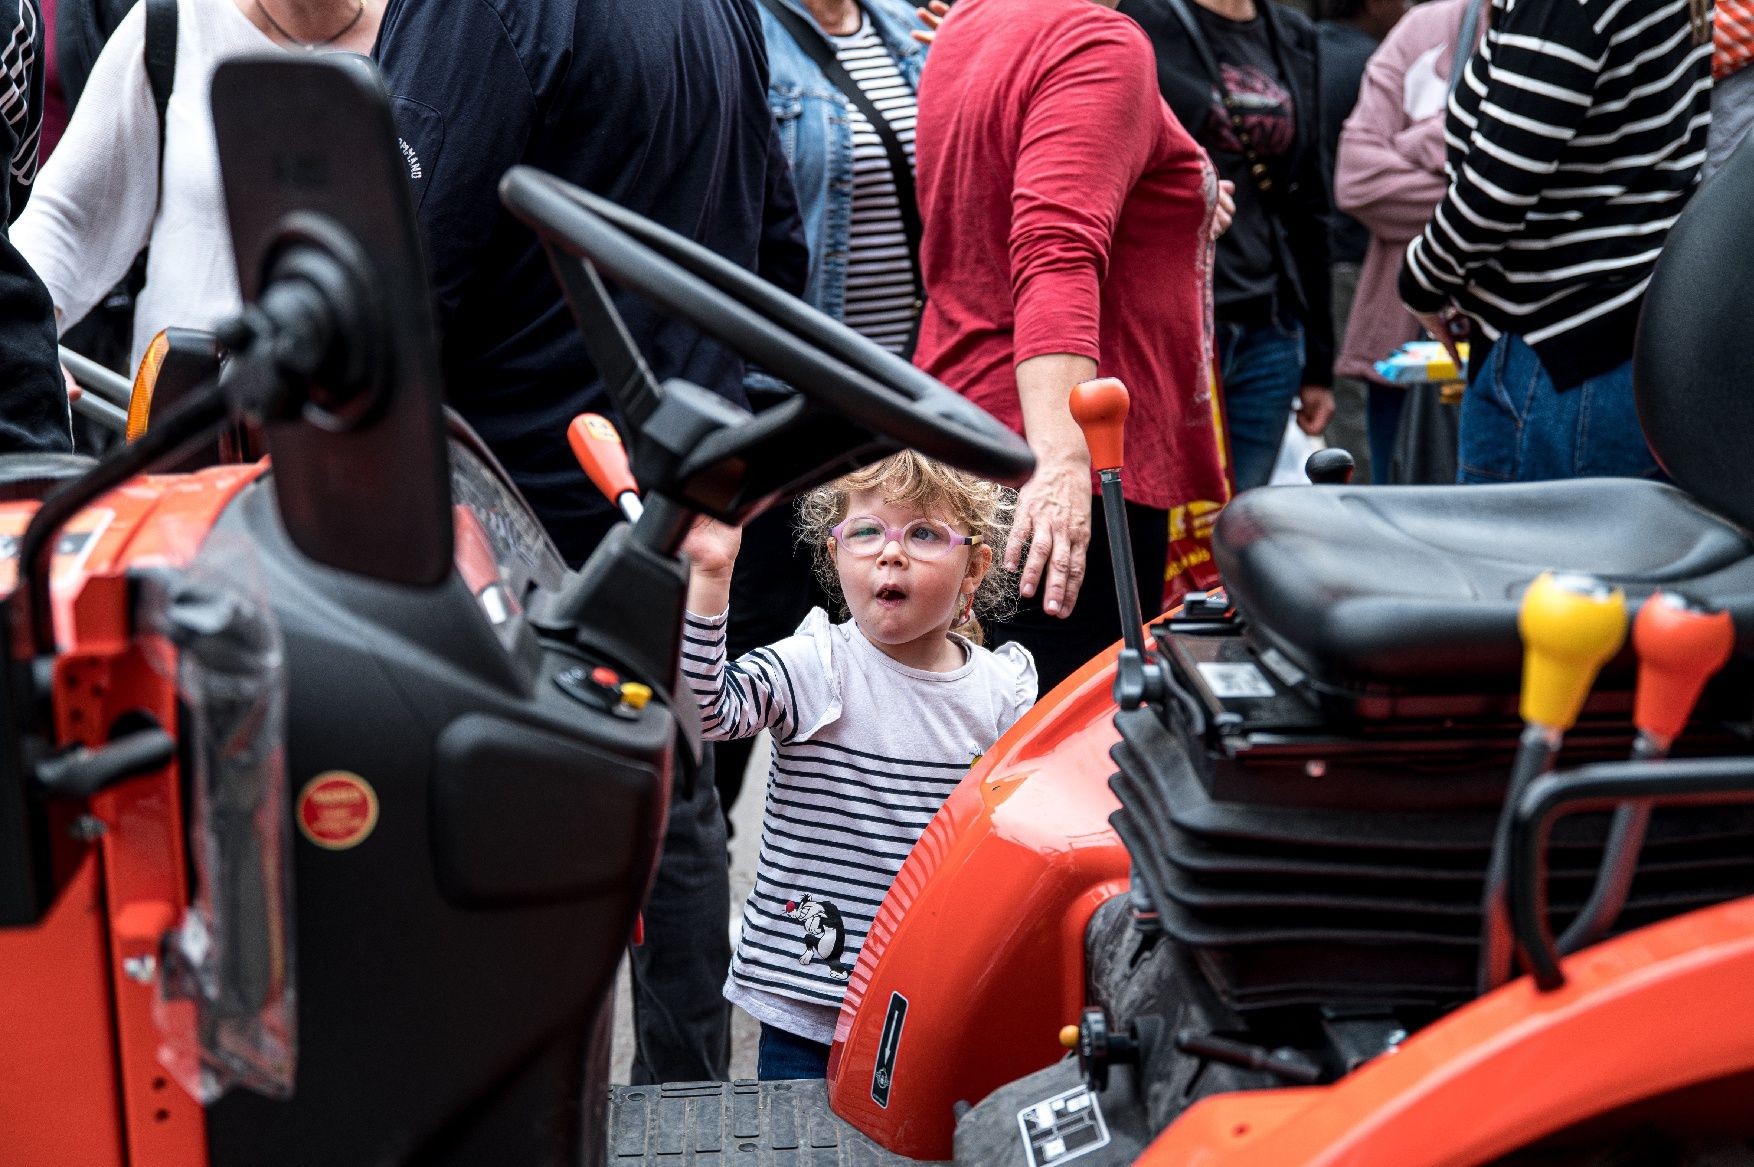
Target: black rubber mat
746	1124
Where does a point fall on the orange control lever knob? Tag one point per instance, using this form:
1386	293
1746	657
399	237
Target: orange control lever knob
1680	644
599	450
1100	409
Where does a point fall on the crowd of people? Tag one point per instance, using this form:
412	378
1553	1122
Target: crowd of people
1236	209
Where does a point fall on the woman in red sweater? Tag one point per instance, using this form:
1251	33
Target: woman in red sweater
1069	222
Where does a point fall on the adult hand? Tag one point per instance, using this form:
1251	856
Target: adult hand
932	15
1053	520
74	392
1315	408
1225	212
1440	326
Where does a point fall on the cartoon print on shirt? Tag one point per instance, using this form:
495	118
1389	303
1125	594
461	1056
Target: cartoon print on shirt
825	933
1265	107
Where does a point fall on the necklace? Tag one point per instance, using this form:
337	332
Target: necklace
311	46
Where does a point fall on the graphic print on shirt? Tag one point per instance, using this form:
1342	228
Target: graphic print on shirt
825	933
1265	106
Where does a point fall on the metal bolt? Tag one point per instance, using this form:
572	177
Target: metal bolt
88	828
141	969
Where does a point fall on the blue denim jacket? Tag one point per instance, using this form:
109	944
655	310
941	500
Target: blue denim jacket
818	140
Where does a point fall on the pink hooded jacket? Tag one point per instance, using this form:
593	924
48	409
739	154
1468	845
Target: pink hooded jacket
1389	172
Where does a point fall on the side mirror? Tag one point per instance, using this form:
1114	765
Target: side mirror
322	220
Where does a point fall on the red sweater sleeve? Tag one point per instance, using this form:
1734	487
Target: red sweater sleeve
1089	132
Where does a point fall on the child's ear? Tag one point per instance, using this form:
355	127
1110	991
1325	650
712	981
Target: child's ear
978	564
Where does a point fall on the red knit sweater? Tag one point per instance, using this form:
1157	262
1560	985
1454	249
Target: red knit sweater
1066	211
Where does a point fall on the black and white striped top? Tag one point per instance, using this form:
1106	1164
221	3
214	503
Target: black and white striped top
880	281
865	751
1575	139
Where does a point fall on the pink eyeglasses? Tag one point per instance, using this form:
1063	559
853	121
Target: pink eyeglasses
864	536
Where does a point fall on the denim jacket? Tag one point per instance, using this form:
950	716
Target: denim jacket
818	138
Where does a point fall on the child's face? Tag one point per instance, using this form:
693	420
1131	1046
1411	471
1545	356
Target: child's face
904	605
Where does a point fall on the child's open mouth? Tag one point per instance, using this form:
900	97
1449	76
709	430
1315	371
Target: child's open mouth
891	596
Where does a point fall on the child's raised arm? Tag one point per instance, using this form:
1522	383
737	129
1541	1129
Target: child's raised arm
711	548
736	700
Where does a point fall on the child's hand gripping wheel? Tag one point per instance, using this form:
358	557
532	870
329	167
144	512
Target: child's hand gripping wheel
599	450
1571	625
1680	642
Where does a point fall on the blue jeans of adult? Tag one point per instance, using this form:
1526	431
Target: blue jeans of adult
681	1020
1261	369
1516	427
781	1056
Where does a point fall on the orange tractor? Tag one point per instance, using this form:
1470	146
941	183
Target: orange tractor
328	797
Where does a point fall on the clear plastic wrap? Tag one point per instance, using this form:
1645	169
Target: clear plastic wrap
226	1005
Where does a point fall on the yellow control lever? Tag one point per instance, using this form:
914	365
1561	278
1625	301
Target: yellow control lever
1571	625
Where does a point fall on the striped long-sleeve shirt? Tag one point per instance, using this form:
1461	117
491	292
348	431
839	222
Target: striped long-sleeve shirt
1574	142
865	751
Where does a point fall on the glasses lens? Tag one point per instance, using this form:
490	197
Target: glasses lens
862	536
926	539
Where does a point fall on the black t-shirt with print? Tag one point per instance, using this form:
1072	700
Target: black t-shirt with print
1247	268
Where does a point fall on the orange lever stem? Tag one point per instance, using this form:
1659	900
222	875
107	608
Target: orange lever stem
1680	644
599	450
1100	409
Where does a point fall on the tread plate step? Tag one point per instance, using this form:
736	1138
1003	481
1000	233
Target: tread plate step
736	1124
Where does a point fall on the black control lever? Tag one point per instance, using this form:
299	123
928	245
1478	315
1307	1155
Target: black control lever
82	772
1330	467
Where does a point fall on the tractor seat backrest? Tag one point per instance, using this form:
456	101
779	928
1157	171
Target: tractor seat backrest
1693	367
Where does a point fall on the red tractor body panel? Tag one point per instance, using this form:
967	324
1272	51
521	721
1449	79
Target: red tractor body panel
1642	1017
86	1088
981	938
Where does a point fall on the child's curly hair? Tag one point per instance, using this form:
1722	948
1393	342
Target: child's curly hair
971	505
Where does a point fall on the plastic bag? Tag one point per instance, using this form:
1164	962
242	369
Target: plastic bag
226	1007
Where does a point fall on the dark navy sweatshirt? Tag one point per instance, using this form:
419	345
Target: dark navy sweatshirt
659	105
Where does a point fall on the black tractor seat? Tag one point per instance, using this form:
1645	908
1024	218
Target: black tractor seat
32	476
1370	588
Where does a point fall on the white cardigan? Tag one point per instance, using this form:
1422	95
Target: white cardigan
95	204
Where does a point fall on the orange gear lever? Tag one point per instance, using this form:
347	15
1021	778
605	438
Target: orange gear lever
599	450
1681	643
1100	409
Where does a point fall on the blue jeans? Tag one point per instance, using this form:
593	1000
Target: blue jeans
1517	428
1384	405
1261	369
786	1057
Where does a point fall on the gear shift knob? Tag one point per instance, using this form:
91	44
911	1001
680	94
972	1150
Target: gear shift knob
1100	409
1681	643
1571	624
600	453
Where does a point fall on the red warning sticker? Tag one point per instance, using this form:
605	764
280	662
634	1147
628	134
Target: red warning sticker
337	810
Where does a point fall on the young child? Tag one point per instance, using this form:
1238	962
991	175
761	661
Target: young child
874	722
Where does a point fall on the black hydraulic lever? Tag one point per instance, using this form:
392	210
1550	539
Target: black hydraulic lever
83	772
1100	408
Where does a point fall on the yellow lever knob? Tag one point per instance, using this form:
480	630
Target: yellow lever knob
635	695
1069	1036
1571	625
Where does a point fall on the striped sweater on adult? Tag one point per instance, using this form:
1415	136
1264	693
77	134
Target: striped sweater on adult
1574	141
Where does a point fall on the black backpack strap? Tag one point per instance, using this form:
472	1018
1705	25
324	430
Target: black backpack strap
161	64
816	47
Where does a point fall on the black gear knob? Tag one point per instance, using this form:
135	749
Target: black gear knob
1330	467
1099	1047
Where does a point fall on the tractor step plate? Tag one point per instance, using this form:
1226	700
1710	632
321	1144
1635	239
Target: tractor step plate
736	1124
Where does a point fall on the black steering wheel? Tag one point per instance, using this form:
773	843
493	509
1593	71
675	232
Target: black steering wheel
831	366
